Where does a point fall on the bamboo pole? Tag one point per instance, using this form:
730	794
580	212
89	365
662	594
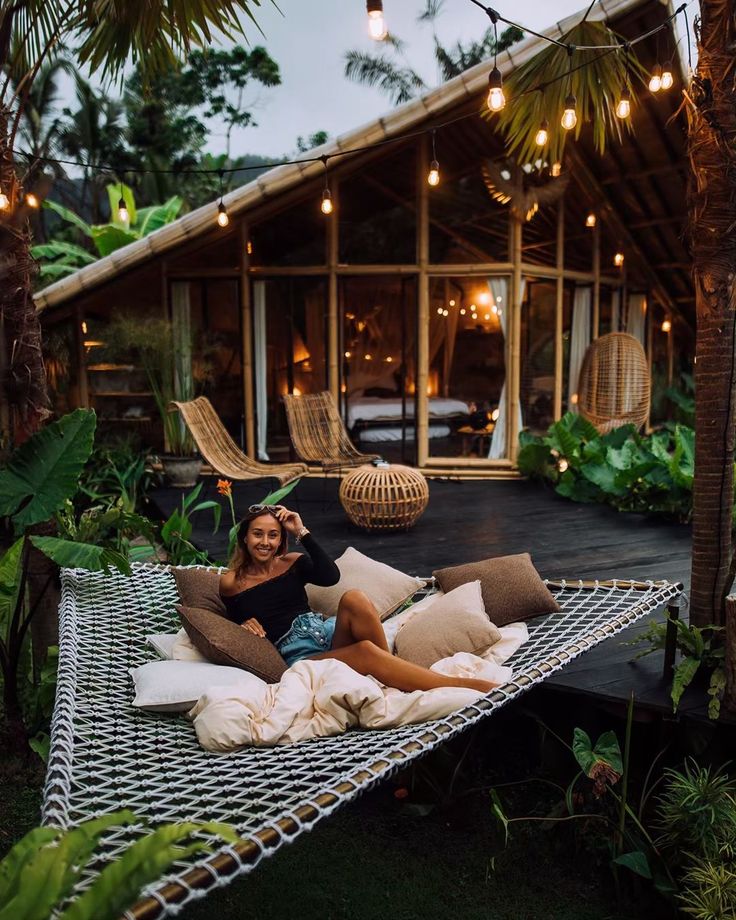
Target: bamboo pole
333	336
246	330
81	362
422	413
559	306
513	367
596	280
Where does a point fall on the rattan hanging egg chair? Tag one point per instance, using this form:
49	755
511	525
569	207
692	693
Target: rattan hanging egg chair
614	387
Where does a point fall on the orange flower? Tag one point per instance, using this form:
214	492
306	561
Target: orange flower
225	487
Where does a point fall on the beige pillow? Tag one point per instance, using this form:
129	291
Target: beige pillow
224	642
456	622
199	588
386	587
184	649
511	586
175	686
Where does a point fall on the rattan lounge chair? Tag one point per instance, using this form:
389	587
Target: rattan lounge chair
222	453
318	433
106	755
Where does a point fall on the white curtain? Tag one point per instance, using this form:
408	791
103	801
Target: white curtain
579	341
500	293
260	367
615	310
637	316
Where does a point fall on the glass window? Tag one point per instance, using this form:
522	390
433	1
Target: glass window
537	386
296	236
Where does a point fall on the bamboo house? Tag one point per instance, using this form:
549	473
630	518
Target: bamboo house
442	318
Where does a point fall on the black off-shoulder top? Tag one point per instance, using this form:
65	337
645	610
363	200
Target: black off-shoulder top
277	602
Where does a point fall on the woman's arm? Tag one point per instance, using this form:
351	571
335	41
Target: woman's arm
316	568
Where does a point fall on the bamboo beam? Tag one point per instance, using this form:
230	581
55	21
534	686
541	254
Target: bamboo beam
333	312
246	332
559	304
513	368
665	169
596	280
658	221
422	410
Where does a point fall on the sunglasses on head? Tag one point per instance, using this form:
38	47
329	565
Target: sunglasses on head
256	509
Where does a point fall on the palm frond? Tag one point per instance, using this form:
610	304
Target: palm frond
399	83
432	9
537	89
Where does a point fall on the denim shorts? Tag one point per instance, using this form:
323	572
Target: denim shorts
308	635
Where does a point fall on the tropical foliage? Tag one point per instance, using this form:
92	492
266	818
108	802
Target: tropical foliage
630	471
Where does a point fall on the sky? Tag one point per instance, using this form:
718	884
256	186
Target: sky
309	38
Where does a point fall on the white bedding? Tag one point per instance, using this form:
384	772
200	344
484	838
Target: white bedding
370	408
315	699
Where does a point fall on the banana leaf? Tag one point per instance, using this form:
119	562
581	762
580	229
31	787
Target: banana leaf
72	555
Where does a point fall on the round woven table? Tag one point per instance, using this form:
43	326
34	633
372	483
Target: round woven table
390	497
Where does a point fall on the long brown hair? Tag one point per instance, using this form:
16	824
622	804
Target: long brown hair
241	558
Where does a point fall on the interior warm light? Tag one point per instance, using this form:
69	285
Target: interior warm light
569	116
556	170
445	312
389	359
618	259
495	414
667	78
376	22
439	311
32	200
623	109
484	298
4	201
249	248
348	354
84	327
542	135
574	399
434	173
222	219
326	205
462	311
487	317
452	303
666	325
494	309
590	220
296	391
496	98
368	357
655	81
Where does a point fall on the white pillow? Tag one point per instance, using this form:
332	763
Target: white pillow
163	643
457	622
175	686
185	650
386	587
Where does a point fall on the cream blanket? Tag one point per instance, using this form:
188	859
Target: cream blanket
315	699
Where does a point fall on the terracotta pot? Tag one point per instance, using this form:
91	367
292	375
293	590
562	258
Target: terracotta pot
181	472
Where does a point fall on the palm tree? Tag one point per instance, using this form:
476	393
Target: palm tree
395	77
105	36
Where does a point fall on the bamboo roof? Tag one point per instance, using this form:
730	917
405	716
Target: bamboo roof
642	201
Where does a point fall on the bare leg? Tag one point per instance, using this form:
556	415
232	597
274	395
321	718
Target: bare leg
367	658
357	619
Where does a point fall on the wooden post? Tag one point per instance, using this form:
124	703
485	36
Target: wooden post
246	328
513	369
333	312
596	281
729	696
422	414
559	307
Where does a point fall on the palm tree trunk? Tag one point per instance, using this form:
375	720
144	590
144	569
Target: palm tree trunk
712	209
24	377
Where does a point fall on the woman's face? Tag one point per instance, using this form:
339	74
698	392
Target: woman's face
263	538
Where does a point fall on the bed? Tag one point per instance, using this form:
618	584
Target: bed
363	410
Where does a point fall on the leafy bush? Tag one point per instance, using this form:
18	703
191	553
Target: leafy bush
631	472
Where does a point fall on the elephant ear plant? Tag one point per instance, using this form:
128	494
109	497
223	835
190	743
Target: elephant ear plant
40	478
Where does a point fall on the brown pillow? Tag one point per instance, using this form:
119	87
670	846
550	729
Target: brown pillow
511	587
224	642
455	622
199	588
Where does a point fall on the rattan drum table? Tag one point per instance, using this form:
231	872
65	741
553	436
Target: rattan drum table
387	497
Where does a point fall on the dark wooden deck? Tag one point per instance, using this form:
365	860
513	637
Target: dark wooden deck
474	519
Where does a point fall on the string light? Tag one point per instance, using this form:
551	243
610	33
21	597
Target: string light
434	167
32	200
496	98
623	109
462	311
666	325
569	116
222	219
590	220
667	78
542	135
556	170
123	215
618	259
452	303
376	22
4	201
655	81
326	207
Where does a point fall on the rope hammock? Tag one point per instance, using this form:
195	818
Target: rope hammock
106	755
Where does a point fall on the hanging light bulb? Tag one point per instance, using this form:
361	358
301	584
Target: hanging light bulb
655	81
433	178
32	200
590	220
4	201
376	23
496	98
666	325
542	135
667	78
123	215
623	109
618	259
326	205
222	219
556	170
569	116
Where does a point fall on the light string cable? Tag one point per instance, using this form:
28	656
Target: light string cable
323	158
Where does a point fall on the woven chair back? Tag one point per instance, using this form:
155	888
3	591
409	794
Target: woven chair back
318	433
614	387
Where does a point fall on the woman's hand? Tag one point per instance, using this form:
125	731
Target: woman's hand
255	627
289	520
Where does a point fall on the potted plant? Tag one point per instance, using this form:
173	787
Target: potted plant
165	352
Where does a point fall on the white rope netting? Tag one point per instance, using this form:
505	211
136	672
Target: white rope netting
106	755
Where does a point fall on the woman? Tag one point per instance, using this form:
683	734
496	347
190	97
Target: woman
264	592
